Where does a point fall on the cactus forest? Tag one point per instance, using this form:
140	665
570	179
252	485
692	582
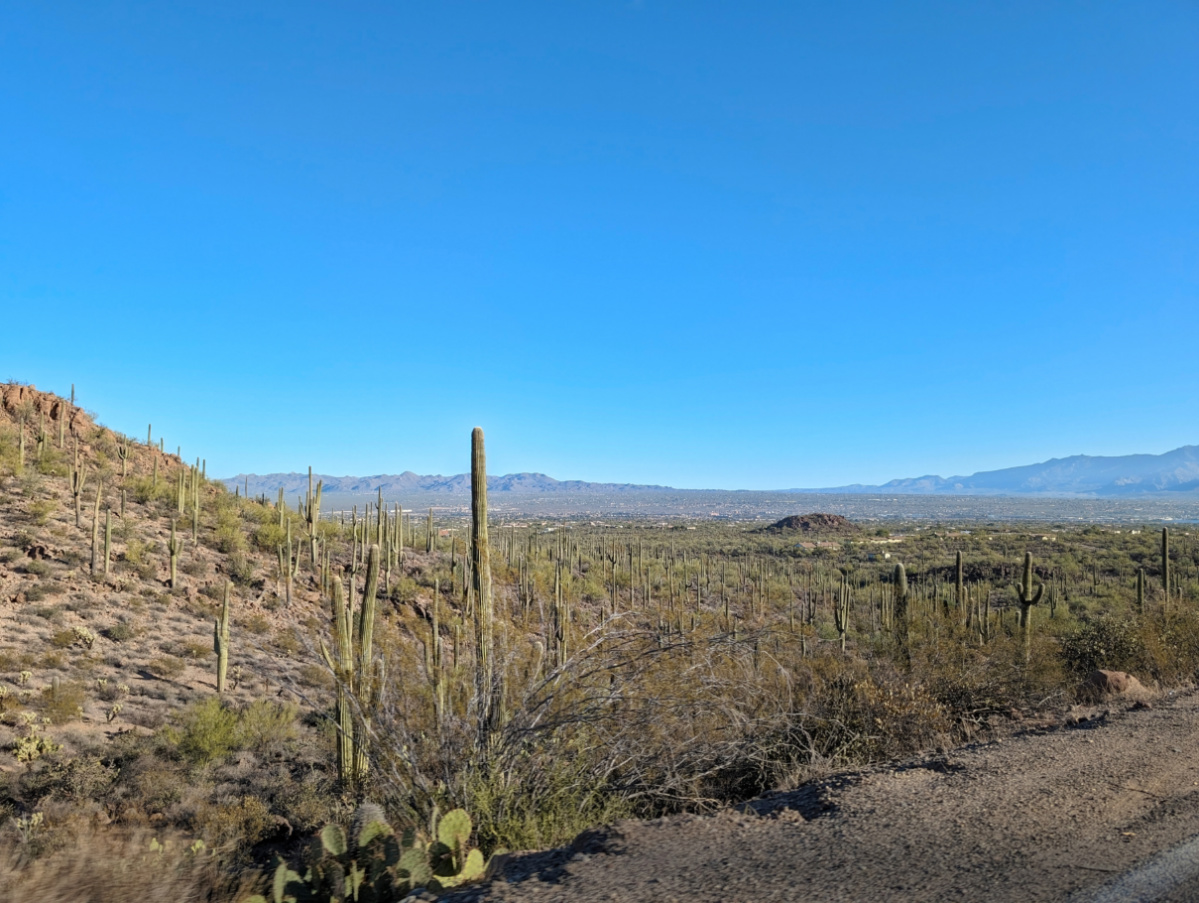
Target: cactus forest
266	699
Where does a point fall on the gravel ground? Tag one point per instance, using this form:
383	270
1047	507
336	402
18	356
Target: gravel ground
1036	816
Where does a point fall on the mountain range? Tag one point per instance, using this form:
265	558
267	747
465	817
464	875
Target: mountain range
1170	474
1082	476
409	482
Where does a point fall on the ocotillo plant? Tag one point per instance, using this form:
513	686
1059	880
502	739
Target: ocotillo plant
357	677
1027	599
174	546
480	557
220	642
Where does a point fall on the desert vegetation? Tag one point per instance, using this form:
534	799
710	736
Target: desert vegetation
233	696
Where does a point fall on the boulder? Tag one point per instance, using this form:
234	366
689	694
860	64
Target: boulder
1103	684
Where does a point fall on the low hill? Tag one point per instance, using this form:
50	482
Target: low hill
813	523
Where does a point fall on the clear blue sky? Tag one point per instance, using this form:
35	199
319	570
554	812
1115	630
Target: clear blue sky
742	245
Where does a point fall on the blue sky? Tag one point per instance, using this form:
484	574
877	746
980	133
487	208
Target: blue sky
737	245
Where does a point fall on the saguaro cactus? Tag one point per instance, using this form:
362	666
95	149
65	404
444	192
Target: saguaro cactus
1166	563
429	532
312	514
123	454
174	546
1140	591
358	678
1027	599
900	610
220	642
959	582
78	480
480	558
96	526
107	539
841	613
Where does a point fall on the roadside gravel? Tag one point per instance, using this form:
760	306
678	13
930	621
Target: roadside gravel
1035	816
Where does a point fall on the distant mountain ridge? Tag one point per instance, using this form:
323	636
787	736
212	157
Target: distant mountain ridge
409	482
1171	474
1085	476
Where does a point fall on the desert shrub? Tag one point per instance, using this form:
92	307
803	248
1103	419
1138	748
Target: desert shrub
62	639
268	537
240	568
188	649
206	731
224	826
256	623
167	667
52	660
62	703
265	723
36	567
209	730
120	632
313	676
194	567
40	511
115	865
1107	642
286	642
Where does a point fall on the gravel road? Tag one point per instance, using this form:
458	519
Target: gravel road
1052	814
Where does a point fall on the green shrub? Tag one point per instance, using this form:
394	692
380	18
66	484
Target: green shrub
120	632
207	731
265	723
1107	642
62	703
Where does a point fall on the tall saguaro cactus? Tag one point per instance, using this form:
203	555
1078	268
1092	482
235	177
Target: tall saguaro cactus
312	514
959	583
78	480
480	559
900	610
1166	563
429	532
841	613
1027	599
220	642
358	678
174	547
